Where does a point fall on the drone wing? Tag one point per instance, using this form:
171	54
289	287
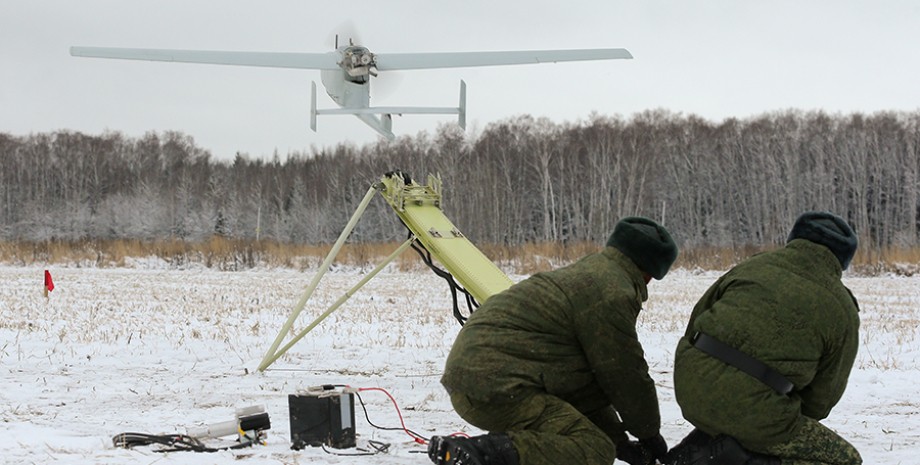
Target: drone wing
405	61
267	59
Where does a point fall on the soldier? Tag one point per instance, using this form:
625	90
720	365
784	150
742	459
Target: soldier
767	354
553	368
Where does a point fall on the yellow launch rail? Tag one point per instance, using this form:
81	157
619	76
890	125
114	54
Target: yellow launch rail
419	208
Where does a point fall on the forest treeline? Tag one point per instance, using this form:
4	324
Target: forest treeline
733	184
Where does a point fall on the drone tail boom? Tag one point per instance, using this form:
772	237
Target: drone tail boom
387	120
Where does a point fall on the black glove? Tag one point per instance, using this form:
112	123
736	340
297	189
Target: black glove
655	447
644	451
631	453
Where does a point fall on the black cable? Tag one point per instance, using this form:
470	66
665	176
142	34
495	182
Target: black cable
394	428
451	282
172	442
471	303
379	448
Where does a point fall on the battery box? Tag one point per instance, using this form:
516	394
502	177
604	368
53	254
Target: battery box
322	417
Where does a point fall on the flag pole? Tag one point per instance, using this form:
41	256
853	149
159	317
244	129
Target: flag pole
48	285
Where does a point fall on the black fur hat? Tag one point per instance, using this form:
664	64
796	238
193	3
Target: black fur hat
646	243
828	230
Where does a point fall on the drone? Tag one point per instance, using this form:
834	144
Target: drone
346	73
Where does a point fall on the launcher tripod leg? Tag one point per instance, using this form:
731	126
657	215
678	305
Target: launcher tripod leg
269	359
272	354
419	208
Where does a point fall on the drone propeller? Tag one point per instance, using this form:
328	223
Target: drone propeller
385	84
344	34
382	84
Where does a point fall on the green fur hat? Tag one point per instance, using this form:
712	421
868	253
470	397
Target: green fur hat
828	230
646	243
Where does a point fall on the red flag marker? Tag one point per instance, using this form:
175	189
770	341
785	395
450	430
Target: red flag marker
49	284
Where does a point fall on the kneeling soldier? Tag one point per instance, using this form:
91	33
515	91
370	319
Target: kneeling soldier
553	367
767	354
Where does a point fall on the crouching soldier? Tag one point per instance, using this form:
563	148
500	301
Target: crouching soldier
767	354
552	367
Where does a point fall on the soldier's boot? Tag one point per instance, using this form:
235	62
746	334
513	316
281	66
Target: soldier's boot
488	449
698	448
726	450
692	450
760	459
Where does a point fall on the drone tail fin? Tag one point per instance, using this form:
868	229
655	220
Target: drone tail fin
313	106
461	118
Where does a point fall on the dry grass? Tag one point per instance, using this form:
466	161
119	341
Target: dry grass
715	258
535	257
901	261
216	252
231	254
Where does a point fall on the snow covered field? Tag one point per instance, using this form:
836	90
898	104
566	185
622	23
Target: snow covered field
151	350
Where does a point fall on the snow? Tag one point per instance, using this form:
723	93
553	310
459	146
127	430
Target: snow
156	350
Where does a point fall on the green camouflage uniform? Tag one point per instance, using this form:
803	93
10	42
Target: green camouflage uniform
788	309
554	361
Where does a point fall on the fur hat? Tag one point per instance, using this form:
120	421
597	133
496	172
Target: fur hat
828	230
646	243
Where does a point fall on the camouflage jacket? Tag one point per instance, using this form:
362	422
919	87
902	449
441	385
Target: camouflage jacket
570	332
788	309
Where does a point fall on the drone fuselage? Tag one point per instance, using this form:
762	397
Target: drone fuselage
349	86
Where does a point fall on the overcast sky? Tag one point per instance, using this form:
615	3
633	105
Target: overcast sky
717	59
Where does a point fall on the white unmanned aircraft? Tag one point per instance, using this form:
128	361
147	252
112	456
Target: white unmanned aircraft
346	73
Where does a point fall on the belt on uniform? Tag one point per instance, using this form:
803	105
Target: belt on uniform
742	361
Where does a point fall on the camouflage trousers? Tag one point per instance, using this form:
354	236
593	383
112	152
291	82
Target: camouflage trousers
815	444
547	430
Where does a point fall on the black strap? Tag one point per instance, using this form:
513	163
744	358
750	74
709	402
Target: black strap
742	361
